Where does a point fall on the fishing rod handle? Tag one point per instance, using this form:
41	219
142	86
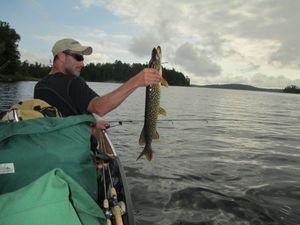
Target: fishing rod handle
113	192
116	210
105	204
107	212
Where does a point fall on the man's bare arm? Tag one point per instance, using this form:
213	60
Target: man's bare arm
102	105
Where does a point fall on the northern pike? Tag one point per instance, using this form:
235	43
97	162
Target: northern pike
152	107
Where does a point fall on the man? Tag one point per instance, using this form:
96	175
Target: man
68	92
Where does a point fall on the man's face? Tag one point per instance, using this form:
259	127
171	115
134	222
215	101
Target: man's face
73	62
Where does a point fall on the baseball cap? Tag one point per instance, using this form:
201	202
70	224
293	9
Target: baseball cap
70	44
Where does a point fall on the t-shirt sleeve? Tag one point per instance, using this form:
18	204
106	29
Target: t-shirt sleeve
81	94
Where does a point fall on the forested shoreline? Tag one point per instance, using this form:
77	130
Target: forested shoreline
100	72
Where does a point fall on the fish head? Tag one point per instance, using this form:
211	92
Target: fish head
156	54
158	50
155	61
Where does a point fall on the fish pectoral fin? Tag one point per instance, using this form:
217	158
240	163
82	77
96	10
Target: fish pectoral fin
164	82
162	111
155	135
142	138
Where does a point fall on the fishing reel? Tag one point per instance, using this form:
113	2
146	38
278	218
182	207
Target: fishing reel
122	206
113	211
113	202
108	214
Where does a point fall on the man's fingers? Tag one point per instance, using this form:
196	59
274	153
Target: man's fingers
102	125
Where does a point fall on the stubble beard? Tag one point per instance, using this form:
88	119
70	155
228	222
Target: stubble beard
72	70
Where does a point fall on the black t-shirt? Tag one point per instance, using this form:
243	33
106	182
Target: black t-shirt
68	93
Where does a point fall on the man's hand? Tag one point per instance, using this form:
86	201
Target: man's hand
147	76
102	125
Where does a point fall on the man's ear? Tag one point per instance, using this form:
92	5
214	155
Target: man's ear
61	56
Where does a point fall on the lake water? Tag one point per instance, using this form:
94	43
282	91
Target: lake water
226	157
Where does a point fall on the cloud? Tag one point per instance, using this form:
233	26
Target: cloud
195	61
36	57
96	33
271	22
250	67
263	80
142	45
200	35
76	8
88	3
287	55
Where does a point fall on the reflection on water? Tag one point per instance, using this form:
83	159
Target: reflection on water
12	93
236	163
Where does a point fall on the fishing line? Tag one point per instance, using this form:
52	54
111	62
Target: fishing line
110	177
104	182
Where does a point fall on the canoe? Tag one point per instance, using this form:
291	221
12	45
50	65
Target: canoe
111	175
29	149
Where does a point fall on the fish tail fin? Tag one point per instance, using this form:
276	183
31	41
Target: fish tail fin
142	137
162	111
147	152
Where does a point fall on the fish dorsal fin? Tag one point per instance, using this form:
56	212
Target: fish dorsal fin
164	82
155	135
162	111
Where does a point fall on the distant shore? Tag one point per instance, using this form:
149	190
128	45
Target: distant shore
238	87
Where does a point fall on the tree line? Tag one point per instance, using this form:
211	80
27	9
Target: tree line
12	69
119	71
292	89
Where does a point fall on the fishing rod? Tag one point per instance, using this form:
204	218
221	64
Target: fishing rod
120	122
116	209
113	209
107	212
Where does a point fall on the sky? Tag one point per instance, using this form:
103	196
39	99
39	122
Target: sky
253	42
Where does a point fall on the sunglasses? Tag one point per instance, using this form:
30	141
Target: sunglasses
77	57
